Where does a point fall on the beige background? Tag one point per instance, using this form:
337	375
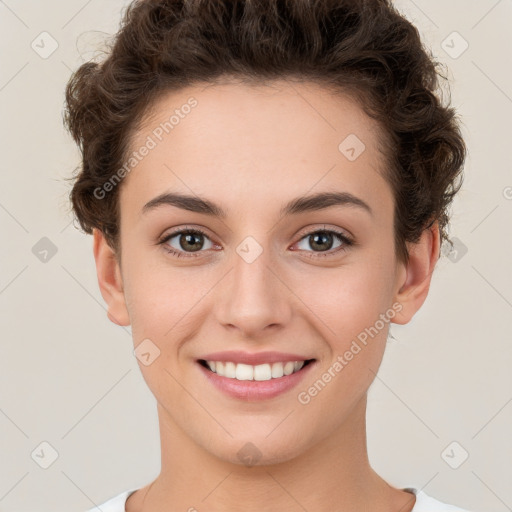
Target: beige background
68	376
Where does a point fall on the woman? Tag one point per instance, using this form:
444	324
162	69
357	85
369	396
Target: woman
267	184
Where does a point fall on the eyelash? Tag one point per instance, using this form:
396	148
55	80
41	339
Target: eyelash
346	242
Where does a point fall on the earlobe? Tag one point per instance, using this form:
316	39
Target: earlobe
414	282
110	280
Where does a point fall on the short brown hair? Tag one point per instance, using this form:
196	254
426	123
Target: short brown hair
362	47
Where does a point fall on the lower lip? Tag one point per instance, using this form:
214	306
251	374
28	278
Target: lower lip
251	390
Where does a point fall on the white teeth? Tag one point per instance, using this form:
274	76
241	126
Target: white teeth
230	370
219	368
277	370
259	372
289	367
262	372
244	372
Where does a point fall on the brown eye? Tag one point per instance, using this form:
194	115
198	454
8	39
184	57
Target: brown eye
192	241
185	241
322	241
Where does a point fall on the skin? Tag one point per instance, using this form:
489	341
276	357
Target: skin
250	150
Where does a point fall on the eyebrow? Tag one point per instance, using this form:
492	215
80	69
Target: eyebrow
319	201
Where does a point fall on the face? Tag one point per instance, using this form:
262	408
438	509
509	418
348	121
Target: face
314	280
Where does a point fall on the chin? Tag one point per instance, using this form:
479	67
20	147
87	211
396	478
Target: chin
256	451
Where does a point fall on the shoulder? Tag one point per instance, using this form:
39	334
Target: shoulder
115	504
426	503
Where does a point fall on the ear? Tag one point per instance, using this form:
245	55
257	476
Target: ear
415	276
110	280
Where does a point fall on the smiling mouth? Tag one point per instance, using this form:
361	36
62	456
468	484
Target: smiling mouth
261	372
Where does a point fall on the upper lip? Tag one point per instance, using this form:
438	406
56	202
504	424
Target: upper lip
255	358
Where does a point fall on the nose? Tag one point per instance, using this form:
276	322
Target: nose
254	297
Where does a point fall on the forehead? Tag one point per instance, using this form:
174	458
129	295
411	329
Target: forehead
281	139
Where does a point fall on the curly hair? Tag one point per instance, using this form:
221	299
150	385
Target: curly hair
364	48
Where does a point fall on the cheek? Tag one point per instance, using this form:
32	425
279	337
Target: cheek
349	299
347	303
163	300
149	295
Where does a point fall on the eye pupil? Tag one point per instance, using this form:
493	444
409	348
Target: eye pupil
320	238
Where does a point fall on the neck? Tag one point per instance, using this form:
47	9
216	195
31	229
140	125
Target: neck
334	474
